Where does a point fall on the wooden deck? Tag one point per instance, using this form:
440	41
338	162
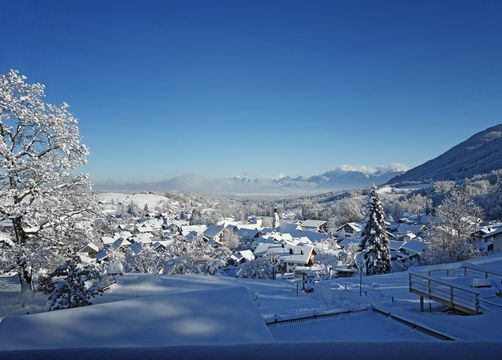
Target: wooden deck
454	296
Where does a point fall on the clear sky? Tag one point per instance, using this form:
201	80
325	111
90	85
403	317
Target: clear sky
219	88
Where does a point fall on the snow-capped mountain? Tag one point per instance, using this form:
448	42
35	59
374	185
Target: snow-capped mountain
342	178
479	154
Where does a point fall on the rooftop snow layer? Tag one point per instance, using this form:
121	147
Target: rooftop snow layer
216	317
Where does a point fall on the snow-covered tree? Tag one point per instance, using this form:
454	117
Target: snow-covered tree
457	217
41	190
347	257
260	268
375	243
230	239
74	285
150	261
195	256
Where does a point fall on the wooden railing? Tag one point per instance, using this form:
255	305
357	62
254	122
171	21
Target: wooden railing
455	296
463	270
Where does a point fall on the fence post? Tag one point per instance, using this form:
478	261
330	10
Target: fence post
451	296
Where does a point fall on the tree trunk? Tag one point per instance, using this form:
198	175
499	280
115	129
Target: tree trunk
24	270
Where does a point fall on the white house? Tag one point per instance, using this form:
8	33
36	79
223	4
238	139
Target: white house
349	230
315	225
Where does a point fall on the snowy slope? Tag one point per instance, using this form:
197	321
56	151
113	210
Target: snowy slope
479	154
153	200
218	316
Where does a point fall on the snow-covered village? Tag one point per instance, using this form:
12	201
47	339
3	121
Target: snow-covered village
182	180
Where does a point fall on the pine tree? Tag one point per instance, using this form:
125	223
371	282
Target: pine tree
76	286
375	243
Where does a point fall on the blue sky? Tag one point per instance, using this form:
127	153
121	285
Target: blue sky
219	88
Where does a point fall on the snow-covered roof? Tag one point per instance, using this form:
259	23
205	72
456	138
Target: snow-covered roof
415	246
179	319
136	248
161	244
89	247
107	240
121	243
243	254
247	233
402	229
187	229
354	226
395	245
298	254
102	255
314	224
6	238
213	231
145	238
410	235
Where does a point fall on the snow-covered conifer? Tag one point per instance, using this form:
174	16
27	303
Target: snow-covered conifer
76	286
375	243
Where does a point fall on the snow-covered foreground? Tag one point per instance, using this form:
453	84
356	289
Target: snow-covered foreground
217	316
148	310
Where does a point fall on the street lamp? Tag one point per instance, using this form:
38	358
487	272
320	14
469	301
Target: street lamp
360	267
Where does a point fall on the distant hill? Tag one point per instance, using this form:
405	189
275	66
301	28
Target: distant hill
479	154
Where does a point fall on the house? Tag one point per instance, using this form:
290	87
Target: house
408	237
248	233
414	247
6	239
161	245
214	233
107	240
121	244
136	248
349	230
496	237
90	250
198	229
103	255
240	257
6	225
288	256
315	225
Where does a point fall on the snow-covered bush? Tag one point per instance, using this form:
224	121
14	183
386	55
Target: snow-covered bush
230	239
74	285
260	268
457	217
195	256
150	261
347	256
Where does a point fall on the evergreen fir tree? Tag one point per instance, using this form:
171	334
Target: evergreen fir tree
375	243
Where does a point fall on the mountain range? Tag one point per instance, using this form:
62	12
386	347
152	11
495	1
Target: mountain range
342	178
479	154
